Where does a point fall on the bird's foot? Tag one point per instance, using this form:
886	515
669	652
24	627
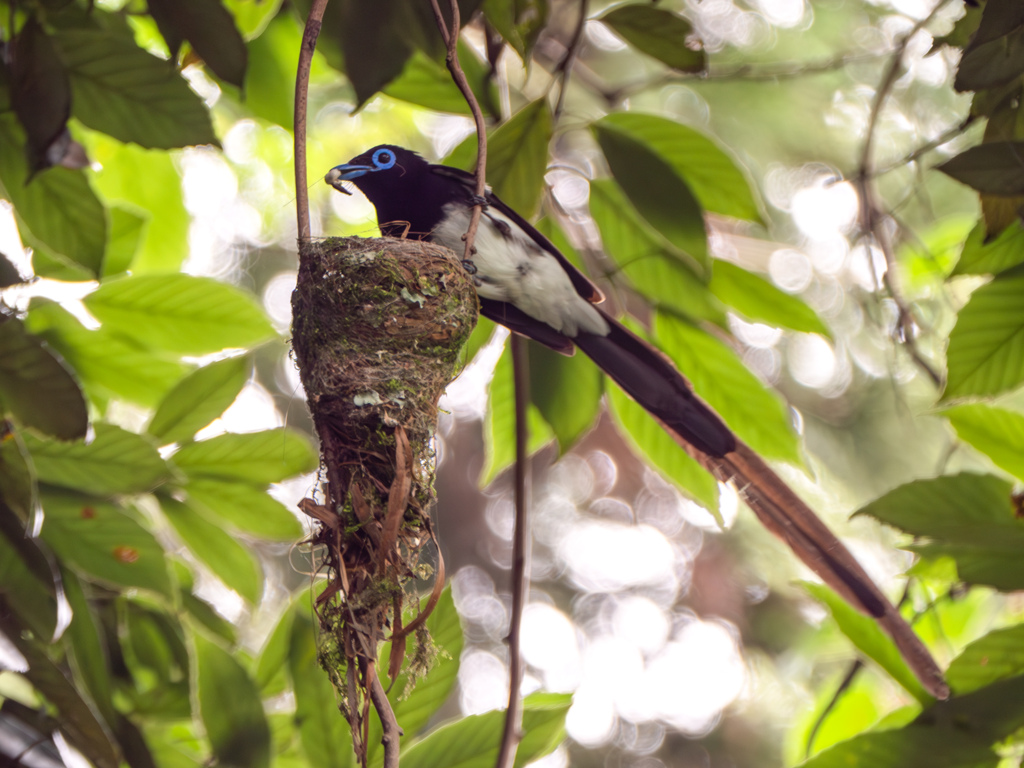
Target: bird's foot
469	266
476	200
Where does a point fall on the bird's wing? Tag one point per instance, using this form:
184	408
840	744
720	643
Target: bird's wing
580	282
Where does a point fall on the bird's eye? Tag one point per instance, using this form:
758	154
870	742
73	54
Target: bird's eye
383	159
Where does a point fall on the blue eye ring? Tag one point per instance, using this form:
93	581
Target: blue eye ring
383	159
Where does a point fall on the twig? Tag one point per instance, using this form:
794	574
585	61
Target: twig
565	65
871	219
451	41
847	681
309	36
391	733
943	138
520	555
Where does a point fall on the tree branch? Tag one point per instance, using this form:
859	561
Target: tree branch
309	36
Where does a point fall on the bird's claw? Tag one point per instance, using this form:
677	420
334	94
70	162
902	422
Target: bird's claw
476	200
469	266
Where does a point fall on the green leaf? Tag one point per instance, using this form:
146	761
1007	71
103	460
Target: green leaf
106	364
26	581
500	422
958	733
995	56
39	91
210	29
244	507
252	16
967	517
662	452
658	33
996	656
154	651
123	91
180	313
717	181
274	656
127	230
256	457
518	21
101	540
428	83
721	379
757	299
221	552
642	257
230	708
56	209
986	347
865	634
116	461
36	386
270	80
198	399
517	157
86	644
472	741
996	432
567	391
322	729
660	195
990	258
993	168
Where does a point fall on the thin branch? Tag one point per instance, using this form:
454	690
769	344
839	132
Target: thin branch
943	138
451	41
565	65
309	36
520	556
847	681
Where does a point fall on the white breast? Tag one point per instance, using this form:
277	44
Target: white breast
514	269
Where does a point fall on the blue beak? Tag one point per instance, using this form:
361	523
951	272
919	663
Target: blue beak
340	173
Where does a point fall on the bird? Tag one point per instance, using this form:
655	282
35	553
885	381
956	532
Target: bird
526	284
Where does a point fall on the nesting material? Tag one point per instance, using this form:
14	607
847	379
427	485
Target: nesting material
378	325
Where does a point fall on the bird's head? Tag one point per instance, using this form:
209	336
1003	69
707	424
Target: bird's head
376	170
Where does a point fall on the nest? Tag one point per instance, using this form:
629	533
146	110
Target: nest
377	328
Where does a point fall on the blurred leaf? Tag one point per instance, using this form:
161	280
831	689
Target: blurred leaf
221	552
252	16
209	28
39	90
104	363
518	21
127	230
154	650
758	300
994	168
986	347
641	256
256	457
115	461
996	432
994	256
17	475
500	422
323	730
270	90
58	207
963	30
87	648
517	157
720	378
472	741
949	734
198	399
967	517
99	539
245	508
230	708
180	313
567	391
995	53
718	182
428	83
658	192
996	656
274	656
662	452
658	33
123	91
36	386
865	634
26	580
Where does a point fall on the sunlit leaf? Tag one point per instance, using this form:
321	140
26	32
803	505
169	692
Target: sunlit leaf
989	258
180	313
256	457
996	432
429	84
658	33
986	347
127	230
230	708
566	390
198	399
716	179
660	195
36	386
757	299
245	507
123	91
252	16
101	540
996	656
719	377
